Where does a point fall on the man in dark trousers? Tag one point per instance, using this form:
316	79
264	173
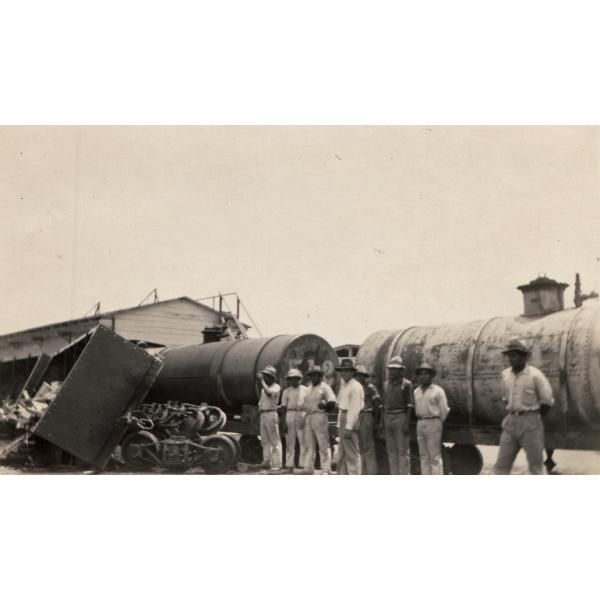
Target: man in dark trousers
528	397
398	404
368	417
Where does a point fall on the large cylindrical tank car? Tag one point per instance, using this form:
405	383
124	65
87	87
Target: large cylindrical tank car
224	374
565	345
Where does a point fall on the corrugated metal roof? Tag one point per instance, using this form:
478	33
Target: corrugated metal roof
104	315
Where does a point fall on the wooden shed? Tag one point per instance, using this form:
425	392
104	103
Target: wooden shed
178	321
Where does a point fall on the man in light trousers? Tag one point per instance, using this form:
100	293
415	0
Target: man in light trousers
368	417
292	402
269	419
319	399
350	402
398	404
528	397
431	409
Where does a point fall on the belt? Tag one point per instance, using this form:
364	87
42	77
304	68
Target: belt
423	418
523	412
267	410
364	411
316	412
343	410
395	412
295	410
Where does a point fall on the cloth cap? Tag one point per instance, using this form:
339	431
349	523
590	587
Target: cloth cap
360	370
314	370
516	346
425	367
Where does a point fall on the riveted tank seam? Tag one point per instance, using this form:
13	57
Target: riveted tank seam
220	356
260	352
588	385
471	368
397	337
563	357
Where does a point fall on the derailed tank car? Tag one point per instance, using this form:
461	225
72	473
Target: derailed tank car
565	345
223	374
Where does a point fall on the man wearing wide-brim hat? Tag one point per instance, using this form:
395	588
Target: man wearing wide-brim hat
528	397
269	419
398	403
368	417
350	403
292	401
318	400
431	410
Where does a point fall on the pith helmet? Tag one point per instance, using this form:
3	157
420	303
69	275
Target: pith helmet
294	374
425	367
395	363
347	365
360	370
516	346
269	370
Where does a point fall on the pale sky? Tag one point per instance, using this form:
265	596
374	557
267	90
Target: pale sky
338	231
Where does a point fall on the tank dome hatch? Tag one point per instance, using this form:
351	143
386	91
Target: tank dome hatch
542	296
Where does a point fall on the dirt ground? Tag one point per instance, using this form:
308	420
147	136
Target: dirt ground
569	462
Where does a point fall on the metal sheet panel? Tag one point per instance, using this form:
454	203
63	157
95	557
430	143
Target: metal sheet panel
110	377
35	377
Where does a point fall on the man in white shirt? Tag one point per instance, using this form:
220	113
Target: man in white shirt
528	397
269	419
292	401
431	410
319	398
350	402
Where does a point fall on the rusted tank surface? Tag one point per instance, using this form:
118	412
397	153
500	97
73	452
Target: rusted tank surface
468	356
224	373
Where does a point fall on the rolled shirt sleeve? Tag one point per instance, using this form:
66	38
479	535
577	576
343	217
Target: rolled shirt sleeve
544	390
328	393
443	403
274	392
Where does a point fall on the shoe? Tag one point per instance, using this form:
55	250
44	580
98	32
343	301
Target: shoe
274	471
289	470
325	473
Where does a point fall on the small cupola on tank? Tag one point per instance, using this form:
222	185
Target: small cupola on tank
542	296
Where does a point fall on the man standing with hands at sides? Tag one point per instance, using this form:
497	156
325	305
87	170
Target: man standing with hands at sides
269	419
528	397
368	417
431	408
398	404
292	401
351	400
319	399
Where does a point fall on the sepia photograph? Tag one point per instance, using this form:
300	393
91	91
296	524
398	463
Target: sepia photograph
300	300
245	242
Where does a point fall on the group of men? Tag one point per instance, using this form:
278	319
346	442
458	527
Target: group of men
303	411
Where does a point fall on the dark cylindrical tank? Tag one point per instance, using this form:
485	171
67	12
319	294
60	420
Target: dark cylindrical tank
565	346
224	373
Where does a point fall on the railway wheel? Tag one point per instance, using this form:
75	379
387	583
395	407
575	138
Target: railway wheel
139	450
226	458
238	450
465	459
